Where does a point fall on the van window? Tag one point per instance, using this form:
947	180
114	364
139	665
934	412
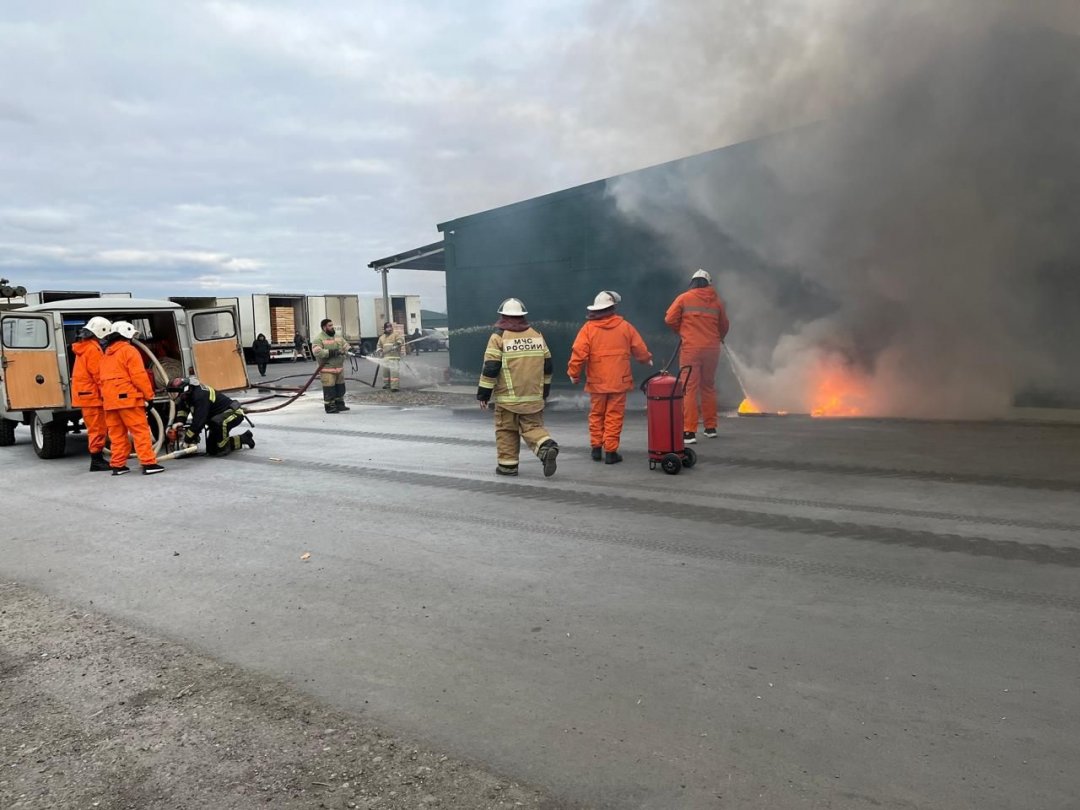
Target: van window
213	325
25	333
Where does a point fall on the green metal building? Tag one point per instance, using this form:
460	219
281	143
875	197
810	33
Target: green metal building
557	251
894	222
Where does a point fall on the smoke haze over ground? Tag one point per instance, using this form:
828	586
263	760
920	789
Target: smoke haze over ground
914	250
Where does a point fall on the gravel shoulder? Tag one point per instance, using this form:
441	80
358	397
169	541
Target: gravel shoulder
98	715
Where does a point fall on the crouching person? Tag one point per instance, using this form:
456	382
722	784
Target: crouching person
216	413
517	379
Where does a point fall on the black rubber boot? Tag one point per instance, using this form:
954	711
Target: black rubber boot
501	470
598	454
247	440
98	463
328	400
339	398
548	452
614	457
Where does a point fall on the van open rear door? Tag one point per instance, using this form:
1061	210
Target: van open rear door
29	361
215	348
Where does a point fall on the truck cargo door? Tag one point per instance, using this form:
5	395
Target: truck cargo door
215	348
28	361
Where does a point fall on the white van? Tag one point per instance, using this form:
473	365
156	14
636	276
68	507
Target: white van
36	361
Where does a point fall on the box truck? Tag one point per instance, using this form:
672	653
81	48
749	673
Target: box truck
31	299
404	312
343	310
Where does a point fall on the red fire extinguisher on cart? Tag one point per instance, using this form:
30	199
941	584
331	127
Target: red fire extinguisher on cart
664	408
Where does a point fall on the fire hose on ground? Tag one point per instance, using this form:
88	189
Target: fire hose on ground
296	393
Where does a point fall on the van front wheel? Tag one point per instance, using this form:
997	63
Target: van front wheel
7	432
49	438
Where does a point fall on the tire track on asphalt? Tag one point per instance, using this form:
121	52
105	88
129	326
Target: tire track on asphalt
690	548
957	517
1040	553
1009	481
1012	481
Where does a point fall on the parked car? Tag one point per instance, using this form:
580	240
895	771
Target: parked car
432	341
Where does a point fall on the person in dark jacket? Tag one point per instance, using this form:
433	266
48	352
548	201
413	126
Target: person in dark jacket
260	350
298	347
208	409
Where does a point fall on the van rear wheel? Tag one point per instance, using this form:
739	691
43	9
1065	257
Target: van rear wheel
49	438
7	432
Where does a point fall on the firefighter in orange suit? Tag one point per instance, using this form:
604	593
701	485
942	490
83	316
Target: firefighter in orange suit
517	379
126	390
86	387
603	349
699	318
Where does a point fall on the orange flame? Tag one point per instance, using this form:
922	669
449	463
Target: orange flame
748	406
838	393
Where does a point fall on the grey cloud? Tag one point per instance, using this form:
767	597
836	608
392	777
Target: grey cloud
40	220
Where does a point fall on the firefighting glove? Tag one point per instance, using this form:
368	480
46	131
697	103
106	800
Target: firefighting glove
190	437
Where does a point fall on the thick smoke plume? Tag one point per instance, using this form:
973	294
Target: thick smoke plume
909	242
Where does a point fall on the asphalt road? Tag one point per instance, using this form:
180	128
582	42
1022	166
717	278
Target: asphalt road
845	614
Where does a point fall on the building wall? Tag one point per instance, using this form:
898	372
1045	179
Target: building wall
556	254
868	237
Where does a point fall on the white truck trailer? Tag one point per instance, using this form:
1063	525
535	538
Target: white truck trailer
343	310
404	312
279	316
33	299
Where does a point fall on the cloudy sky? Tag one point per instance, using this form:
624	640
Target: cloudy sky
178	146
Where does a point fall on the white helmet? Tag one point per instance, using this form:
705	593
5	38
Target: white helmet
702	274
99	327
605	299
512	306
124	329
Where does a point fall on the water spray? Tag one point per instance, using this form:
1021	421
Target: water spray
736	364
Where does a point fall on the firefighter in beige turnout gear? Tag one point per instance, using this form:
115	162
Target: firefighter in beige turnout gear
391	350
517	379
330	350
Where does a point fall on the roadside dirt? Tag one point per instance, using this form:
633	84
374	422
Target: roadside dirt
96	715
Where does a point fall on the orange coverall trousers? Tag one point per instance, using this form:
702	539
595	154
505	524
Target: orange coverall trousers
133	421
96	428
702	382
606	420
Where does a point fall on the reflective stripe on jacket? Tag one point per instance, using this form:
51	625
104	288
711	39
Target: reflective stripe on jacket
321	346
203	403
699	318
517	371
86	374
603	348
124	382
392	345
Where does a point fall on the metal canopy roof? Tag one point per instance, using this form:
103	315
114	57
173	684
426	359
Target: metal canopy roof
428	257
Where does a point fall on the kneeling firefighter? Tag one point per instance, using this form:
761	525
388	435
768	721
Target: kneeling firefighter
208	409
